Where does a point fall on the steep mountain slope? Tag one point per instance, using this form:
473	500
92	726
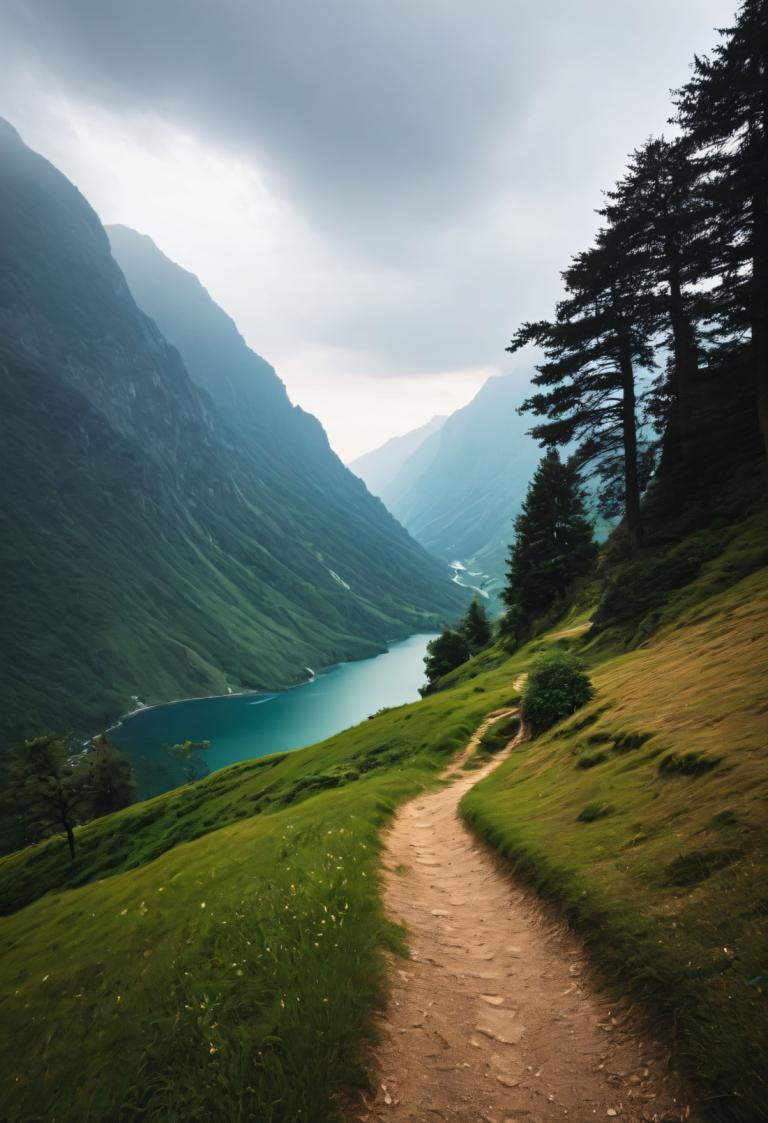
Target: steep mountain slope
379	467
149	547
460	490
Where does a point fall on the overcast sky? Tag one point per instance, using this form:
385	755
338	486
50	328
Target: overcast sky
378	191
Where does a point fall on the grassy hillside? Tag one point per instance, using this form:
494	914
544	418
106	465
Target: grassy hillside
221	977
218	948
645	818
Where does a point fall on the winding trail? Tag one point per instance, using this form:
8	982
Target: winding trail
494	1018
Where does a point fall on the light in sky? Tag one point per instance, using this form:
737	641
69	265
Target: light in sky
377	193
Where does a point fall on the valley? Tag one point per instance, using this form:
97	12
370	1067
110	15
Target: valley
440	790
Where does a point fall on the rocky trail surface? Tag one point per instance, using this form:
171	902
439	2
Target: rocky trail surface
495	1018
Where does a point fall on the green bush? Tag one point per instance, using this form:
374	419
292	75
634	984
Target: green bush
556	687
593	811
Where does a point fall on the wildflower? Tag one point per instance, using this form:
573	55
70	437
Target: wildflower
202	904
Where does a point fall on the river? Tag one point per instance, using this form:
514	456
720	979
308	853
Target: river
243	726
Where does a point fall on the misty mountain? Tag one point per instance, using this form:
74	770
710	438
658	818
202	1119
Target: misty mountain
379	467
459	492
165	531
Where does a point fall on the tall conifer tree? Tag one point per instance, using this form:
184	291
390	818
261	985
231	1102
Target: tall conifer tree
662	215
599	337
724	111
476	627
553	541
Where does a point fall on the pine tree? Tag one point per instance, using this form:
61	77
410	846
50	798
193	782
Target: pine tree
553	541
601	334
476	627
663	216
724	112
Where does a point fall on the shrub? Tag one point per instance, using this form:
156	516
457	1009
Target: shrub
591	760
556	686
594	811
687	764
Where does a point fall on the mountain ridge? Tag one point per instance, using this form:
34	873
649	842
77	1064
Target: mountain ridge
162	551
459	491
379	467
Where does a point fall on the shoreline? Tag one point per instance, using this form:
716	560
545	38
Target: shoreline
257	693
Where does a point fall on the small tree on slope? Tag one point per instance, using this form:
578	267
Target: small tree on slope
107	778
45	790
444	653
553	542
476	627
556	687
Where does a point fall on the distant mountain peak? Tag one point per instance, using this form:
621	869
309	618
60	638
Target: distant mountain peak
380	466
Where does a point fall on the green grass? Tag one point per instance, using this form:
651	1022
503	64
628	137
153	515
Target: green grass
644	818
215	953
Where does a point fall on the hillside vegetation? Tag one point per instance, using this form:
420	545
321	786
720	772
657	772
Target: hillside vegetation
221	951
219	947
644	818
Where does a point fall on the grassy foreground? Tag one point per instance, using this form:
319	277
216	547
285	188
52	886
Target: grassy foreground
644	818
215	953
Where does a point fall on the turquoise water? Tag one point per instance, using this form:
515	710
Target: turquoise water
242	726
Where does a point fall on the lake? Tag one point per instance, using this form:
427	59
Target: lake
243	726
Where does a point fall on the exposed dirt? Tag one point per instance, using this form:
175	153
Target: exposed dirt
495	1016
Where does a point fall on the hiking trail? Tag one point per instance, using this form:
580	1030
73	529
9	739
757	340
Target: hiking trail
495	1018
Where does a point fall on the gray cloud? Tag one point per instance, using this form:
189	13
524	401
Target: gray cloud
446	154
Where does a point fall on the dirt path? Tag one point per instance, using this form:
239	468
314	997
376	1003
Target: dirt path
494	1018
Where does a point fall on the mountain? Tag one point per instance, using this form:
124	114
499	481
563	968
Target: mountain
380	466
164	531
459	491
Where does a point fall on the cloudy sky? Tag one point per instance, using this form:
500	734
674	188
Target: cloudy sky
378	191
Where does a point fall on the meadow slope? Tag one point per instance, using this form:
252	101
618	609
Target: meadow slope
644	819
217	952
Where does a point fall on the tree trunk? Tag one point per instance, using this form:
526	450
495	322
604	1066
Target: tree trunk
685	359
629	433
760	265
70	840
760	317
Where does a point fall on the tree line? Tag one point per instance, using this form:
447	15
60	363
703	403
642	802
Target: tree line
674	288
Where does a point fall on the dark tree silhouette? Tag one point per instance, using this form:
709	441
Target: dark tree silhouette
45	789
476	627
553	542
600	335
724	112
444	653
106	777
663	216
